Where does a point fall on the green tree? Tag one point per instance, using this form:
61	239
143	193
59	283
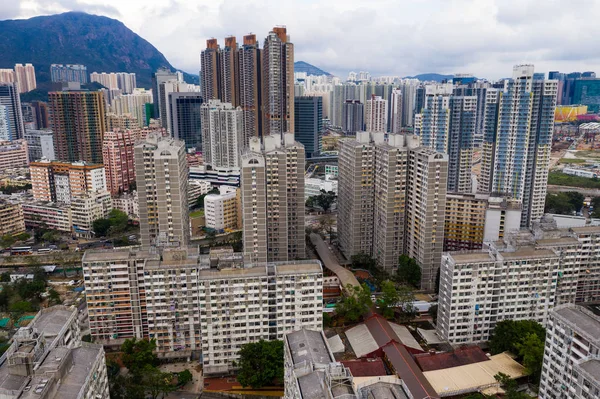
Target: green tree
325	200
576	200
184	377
156	382
29	290
118	221
5	277
433	313
508	333
355	303
531	349
510	387
137	354
23	237
54	297
125	387
7	240
310	202
326	222
389	299
406	297
363	261
101	227
409	271
199	204
18	309
559	203
260	364
50	236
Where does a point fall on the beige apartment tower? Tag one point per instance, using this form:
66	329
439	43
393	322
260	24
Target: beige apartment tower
392	201
273	199
162	185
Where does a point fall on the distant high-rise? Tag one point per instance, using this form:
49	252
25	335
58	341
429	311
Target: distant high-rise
41	114
376	112
352	116
408	103
396	111
68	73
221	134
9	98
133	104
308	114
162	185
519	123
273	199
230	87
25	77
210	71
78	120
124	81
392	201
162	75
278	83
250	86
186	118
432	122
117	152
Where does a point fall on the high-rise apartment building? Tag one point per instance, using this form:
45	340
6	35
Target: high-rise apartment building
376	114
162	184
186	118
396	111
249	61
11	219
198	306
353	116
278	83
519	122
133	104
13	154
210	71
165	90
41	114
571	354
392	201
222	135
78	121
25	77
308	114
432	122
461	135
56	181
124	81
68	73
11	113
117	153
273	199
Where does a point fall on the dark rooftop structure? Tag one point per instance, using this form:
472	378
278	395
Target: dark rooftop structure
460	357
406	368
365	367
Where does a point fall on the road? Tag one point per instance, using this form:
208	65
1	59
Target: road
330	262
588	192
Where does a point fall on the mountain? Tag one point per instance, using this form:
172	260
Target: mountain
301	66
436	77
102	44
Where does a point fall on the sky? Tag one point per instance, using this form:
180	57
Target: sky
385	37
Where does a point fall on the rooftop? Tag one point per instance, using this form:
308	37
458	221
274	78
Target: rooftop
51	321
84	359
586	229
308	346
471	257
365	367
592	367
460	357
557	241
583	320
529	252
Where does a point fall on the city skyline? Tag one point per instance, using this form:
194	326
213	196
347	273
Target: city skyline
484	38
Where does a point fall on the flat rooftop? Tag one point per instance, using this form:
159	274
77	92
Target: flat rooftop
586	229
84	358
50	321
529	252
103	255
471	257
585	322
592	367
556	241
308	346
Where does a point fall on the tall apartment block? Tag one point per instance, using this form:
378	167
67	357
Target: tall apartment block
47	360
396	111
376	114
117	153
353	116
222	134
210	71
41	114
392	201
519	121
162	184
165	92
196	306
124	81
11	113
56	181
520	277
308	114
186	118
68	73
25	77
78	120
12	221
571	354
249	61
134	104
272	181
13	154
432	121
278	83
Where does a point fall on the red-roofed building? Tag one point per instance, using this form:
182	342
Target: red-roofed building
402	363
460	357
366	367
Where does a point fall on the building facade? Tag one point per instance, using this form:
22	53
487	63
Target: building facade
117	153
40	144
47	215
68	73
222	134
186	118
571	354
223	211
25	77
56	181
162	184
308	114
12	221
376	114
352	116
14	154
272	183
78	121
11	115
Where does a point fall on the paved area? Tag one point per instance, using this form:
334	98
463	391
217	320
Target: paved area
192	388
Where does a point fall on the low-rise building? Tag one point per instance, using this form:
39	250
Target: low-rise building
11	218
571	367
87	208
223	211
40	144
331	170
128	203
194	305
216	176
47	360
47	215
197	188
313	186
13	154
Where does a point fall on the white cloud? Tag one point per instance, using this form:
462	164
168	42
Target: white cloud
385	37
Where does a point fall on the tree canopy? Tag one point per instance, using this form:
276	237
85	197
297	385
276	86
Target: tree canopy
508	333
261	363
199	204
564	203
324	200
409	271
116	222
138	353
356	303
531	350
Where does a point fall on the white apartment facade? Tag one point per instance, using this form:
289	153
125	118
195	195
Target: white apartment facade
223	211
222	134
376	114
572	354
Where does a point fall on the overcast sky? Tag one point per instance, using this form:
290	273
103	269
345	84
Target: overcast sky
384	37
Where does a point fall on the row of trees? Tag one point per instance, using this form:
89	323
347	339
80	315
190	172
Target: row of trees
408	272
324	200
144	379
116	223
564	203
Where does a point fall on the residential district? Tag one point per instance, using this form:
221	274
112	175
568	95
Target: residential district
274	232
